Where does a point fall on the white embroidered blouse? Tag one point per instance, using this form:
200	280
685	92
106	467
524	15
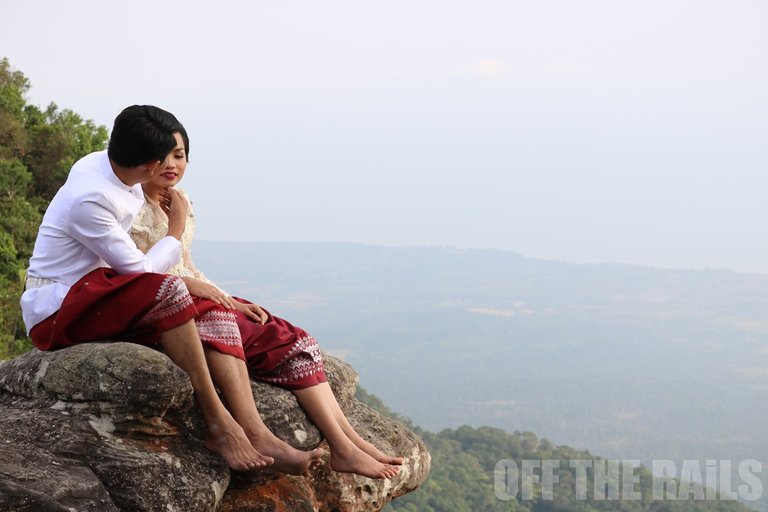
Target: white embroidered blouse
151	225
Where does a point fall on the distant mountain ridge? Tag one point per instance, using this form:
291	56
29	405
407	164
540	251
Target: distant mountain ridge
626	361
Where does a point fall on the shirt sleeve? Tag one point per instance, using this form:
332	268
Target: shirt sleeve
93	222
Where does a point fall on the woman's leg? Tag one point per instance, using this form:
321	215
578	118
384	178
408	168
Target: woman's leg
278	353
341	419
346	456
231	376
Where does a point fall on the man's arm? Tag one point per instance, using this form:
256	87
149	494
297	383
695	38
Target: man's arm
93	222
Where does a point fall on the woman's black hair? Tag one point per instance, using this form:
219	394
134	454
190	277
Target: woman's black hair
143	133
185	138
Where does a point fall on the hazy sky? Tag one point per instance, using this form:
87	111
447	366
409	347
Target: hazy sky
588	131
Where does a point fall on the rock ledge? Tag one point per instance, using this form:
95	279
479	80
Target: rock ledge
113	426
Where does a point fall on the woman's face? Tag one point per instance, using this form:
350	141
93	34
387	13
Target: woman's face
174	168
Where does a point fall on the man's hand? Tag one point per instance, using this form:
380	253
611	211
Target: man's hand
175	207
208	291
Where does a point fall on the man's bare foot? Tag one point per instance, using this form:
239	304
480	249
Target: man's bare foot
352	459
229	440
372	450
287	458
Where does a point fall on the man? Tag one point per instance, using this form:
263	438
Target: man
87	281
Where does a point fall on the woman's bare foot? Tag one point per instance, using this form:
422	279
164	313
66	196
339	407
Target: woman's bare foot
352	459
287	458
370	449
376	453
229	440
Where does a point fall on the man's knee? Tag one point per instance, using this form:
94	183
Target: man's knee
172	288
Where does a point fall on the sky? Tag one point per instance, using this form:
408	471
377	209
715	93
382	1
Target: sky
573	130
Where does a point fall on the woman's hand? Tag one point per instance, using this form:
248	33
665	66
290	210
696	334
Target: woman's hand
164	201
208	291
253	312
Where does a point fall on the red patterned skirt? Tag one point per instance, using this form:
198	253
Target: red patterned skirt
280	353
277	352
104	305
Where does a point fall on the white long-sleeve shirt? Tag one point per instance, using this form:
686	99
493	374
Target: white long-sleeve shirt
86	227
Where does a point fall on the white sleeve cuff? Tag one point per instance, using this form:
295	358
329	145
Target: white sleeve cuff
164	254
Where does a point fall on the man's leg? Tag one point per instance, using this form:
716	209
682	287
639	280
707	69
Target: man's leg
231	376
225	436
105	305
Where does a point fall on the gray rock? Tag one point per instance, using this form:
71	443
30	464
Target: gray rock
114	426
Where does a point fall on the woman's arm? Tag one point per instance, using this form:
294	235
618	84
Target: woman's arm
146	227
212	292
209	291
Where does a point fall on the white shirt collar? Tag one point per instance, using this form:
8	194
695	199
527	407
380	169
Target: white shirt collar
109	173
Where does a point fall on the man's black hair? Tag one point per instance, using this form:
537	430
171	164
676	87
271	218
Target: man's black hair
141	134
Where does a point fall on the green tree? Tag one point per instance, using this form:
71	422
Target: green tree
37	149
57	139
13	87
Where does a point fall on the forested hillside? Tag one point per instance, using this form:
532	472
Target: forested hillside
462	477
37	148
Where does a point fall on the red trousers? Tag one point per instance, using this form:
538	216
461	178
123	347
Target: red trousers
138	307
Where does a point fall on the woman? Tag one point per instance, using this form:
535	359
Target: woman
274	350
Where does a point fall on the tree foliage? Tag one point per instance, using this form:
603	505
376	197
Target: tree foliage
37	149
462	475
